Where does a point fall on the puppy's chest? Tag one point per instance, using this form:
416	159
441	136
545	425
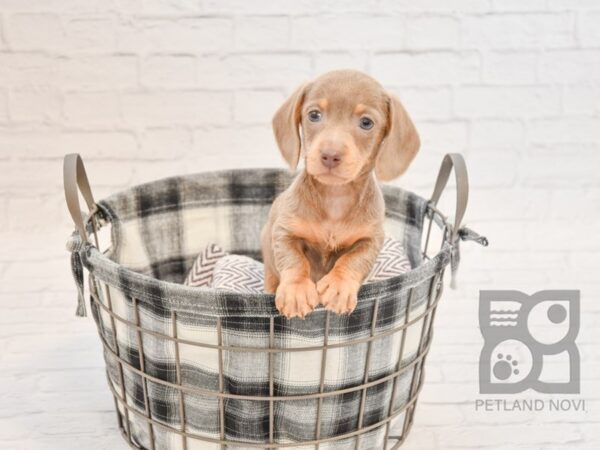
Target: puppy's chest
330	236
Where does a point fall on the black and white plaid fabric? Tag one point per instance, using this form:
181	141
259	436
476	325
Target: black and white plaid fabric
158	229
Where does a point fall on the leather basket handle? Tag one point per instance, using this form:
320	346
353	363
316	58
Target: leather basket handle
456	161
75	181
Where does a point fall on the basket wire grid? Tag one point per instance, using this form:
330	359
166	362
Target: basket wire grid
122	404
100	300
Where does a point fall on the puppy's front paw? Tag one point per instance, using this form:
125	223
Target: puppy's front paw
296	298
339	294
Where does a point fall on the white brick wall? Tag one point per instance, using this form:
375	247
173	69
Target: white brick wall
149	88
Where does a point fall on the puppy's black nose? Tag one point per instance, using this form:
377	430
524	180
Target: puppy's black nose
330	159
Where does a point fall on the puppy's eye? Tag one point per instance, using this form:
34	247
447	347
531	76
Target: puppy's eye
366	123
314	115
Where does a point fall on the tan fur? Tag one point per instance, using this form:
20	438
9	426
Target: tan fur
325	231
360	108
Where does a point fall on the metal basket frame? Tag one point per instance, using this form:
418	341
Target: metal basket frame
99	290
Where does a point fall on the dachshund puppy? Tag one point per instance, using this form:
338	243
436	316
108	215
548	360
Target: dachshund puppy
325	231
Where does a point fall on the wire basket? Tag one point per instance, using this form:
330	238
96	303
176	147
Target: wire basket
196	368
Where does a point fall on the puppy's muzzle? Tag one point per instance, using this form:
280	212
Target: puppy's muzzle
331	158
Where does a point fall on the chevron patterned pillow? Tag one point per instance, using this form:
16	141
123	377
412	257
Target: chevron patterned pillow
240	274
217	269
202	271
391	261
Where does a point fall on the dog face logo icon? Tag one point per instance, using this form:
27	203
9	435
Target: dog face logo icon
529	342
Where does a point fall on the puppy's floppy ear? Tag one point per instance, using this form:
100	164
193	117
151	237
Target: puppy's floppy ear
400	144
285	126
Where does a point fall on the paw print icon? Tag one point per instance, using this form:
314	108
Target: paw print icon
529	342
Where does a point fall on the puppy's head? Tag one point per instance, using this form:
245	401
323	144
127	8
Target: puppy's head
350	126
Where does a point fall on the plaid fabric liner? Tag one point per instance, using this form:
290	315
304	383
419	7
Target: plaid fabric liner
158	229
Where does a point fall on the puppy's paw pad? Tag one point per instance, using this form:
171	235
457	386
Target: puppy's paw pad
338	294
297	298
